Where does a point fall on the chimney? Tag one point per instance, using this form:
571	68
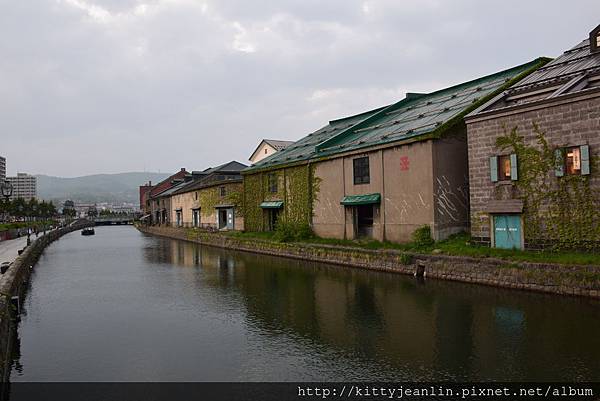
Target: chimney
595	40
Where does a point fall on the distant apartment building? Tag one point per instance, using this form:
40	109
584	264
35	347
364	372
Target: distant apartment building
24	186
2	168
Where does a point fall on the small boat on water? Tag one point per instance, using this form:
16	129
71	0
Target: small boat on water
88	231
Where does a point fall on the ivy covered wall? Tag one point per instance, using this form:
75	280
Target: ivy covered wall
567	122
559	210
296	187
210	197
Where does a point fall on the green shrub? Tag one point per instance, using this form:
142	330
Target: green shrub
406	259
422	236
304	232
288	232
283	232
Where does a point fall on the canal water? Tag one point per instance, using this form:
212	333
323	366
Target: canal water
124	306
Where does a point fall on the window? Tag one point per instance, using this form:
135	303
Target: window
266	151
574	160
272	183
196	195
504	168
222	191
361	170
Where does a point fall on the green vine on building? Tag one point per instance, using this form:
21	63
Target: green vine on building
562	211
297	187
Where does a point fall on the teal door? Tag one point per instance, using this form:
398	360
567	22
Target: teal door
507	231
230	220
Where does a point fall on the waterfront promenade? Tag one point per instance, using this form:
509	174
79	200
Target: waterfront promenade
9	249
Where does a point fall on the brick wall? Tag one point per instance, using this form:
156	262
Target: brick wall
570	123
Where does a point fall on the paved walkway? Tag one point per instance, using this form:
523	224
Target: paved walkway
9	250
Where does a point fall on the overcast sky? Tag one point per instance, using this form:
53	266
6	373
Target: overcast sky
104	86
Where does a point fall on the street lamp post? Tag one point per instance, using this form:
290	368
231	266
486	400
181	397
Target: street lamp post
34	210
7	189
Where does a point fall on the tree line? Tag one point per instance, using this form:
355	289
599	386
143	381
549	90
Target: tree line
28	208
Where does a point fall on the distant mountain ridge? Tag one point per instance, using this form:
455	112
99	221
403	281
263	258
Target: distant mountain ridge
113	188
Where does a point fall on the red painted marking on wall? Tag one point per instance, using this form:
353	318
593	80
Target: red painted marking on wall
404	163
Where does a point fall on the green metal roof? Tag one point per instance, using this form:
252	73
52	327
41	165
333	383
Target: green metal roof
355	200
272	205
412	117
304	149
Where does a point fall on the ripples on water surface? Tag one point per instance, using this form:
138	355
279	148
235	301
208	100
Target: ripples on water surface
123	306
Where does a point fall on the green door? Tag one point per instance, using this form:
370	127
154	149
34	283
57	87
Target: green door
507	231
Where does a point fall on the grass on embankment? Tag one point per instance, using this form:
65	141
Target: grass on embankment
457	245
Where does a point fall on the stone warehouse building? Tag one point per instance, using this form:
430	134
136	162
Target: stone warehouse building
160	204
537	185
153	209
210	200
380	174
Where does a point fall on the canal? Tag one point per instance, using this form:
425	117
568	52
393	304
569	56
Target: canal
124	306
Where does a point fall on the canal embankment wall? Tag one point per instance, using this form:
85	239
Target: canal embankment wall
14	282
575	280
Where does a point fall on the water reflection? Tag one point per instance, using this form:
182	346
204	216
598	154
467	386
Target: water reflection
149	308
394	324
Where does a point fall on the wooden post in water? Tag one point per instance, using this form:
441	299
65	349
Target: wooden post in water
420	269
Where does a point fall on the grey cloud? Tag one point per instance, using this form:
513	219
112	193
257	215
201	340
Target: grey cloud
89	86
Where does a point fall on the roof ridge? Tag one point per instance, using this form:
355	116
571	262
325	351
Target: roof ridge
323	142
485	77
357	115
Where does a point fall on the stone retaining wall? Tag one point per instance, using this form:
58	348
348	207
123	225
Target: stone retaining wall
13	284
550	278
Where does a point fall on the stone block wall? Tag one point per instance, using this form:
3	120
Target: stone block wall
569	122
550	278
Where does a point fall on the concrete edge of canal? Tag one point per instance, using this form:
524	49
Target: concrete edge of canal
557	279
13	284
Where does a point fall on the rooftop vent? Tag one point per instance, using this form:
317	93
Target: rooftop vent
414	95
595	40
